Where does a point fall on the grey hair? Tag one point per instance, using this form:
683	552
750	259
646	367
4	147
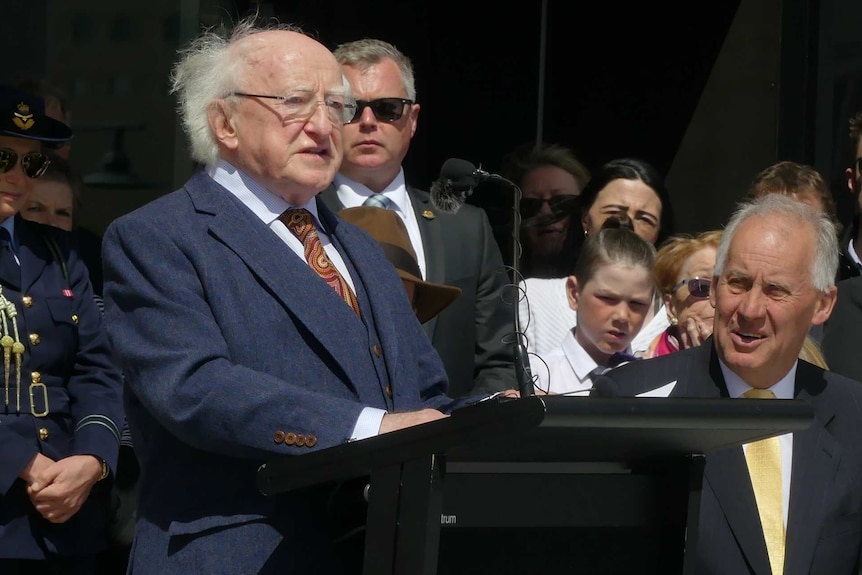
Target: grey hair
208	70
824	266
369	51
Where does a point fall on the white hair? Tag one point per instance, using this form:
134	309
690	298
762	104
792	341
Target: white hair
824	266
207	71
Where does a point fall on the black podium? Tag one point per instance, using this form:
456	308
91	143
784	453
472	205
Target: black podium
557	477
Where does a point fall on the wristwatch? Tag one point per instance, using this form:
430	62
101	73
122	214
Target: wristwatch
104	468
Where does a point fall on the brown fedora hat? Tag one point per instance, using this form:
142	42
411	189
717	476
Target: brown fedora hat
386	227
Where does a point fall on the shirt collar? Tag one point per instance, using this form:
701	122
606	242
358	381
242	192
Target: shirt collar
263	203
9	224
736	386
352	193
580	361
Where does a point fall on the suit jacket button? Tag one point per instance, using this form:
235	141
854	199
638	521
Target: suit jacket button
278	437
35	377
311	440
75	318
43	433
376	349
35	339
27	301
300	440
389	391
290	438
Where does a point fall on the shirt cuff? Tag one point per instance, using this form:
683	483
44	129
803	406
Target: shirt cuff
368	424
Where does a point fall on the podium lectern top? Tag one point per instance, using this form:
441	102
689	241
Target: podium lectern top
548	429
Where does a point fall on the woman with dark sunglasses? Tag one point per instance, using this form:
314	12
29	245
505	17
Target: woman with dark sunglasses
683	273
60	402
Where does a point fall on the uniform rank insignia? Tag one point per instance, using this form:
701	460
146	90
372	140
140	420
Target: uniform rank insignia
68	293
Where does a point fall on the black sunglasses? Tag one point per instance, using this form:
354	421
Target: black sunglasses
563	205
697	287
384	109
35	163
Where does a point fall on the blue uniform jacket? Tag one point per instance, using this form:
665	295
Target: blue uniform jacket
70	395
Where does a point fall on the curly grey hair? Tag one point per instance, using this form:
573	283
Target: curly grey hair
208	70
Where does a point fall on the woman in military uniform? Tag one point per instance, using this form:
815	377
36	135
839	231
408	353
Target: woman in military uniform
60	396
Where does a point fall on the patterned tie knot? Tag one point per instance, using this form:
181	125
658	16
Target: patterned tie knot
377	201
299	222
759	394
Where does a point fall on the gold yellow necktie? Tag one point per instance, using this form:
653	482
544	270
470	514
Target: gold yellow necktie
764	466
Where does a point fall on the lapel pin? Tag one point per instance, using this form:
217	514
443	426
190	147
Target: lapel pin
428	215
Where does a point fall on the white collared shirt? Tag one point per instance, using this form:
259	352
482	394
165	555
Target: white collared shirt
268	206
565	370
784	389
352	194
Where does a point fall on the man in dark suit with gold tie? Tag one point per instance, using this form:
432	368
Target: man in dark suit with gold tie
789	505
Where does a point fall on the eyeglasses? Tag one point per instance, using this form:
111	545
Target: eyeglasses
562	205
34	163
301	105
384	109
697	287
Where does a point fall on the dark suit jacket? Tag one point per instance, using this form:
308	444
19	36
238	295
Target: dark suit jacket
236	352
843	332
66	362
824	534
460	250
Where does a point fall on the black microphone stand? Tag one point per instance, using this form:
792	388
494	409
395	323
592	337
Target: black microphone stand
522	361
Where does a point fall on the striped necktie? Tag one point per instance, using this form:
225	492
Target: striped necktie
764	467
377	201
301	224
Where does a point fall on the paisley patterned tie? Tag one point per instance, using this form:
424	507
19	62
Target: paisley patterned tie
301	223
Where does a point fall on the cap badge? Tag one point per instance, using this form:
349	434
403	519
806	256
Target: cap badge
428	215
23	118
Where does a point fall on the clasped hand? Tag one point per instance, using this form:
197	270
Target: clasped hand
58	489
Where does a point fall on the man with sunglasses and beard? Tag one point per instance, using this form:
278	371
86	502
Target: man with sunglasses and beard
61	406
455	249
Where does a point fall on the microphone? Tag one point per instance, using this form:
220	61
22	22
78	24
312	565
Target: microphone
457	179
456	182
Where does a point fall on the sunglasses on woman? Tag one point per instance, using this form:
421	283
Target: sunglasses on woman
34	163
697	287
563	205
384	109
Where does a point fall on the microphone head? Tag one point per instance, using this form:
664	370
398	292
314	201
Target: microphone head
461	173
445	198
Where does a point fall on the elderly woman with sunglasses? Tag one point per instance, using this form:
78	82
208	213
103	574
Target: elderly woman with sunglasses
60	402
683	273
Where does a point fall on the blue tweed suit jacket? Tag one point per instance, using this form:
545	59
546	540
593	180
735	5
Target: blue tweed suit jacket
231	344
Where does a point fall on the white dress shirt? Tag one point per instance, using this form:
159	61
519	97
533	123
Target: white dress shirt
784	389
268	207
353	194
565	370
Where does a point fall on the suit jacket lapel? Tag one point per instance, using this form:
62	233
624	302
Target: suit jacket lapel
726	472
433	244
33	254
288	278
816	456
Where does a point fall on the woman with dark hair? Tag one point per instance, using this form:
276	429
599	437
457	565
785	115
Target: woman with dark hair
627	189
632	188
